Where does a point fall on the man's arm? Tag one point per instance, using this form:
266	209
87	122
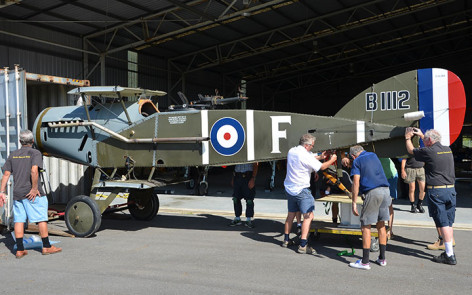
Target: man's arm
409	132
403	172
5	177
355	193
330	162
409	144
252	181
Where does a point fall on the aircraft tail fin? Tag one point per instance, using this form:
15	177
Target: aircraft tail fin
425	98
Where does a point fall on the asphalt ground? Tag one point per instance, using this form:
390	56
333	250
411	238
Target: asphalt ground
190	249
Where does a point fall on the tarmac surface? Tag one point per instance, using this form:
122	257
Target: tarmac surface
189	249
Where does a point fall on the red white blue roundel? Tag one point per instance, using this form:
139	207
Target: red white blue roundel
227	136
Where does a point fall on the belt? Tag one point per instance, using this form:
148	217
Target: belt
243	174
439	186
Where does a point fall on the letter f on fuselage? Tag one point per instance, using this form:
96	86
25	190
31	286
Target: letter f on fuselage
277	133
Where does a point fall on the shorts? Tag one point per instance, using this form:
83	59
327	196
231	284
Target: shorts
442	205
303	202
36	211
414	174
392	185
375	206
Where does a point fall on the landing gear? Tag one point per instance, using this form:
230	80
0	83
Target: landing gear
191	174
271	181
143	204
83	216
201	188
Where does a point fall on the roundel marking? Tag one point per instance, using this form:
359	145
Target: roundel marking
227	136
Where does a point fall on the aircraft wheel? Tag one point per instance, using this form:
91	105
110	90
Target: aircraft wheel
190	184
203	188
143	204
82	216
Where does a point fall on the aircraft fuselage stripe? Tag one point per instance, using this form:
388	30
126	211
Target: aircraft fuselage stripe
250	134
433	91
441	104
205	144
360	131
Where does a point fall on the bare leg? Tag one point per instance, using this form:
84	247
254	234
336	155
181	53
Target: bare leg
366	236
19	229
411	192
298	215
382	233
307	218
421	185
289	222
43	229
447	233
390	221
335	211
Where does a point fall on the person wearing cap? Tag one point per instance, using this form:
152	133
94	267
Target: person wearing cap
440	191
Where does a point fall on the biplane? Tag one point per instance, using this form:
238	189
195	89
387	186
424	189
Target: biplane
129	142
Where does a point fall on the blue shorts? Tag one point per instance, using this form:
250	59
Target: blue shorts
303	202
392	185
36	211
442	205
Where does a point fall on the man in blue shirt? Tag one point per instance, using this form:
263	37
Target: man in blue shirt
369	179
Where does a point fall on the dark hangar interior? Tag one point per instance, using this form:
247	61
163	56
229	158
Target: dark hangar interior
305	56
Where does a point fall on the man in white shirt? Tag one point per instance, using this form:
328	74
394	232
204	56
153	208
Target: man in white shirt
301	162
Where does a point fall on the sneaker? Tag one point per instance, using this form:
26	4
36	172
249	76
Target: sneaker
235	222
420	208
286	244
306	250
249	224
413	208
52	250
439	245
443	258
21	254
381	262
360	265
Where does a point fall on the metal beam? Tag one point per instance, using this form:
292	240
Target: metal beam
223	53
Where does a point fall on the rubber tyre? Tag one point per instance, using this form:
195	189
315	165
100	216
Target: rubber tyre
144	204
82	216
190	184
203	189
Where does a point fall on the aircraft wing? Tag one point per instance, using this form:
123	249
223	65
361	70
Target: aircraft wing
115	91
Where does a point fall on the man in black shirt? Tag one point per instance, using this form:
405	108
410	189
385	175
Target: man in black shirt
440	179
29	200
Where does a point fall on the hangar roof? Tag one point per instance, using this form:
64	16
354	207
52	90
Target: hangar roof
285	43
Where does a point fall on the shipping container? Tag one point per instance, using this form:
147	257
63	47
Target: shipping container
23	96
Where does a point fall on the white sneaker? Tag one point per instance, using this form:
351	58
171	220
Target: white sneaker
381	262
359	264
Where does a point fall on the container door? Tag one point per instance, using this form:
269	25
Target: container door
12	120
